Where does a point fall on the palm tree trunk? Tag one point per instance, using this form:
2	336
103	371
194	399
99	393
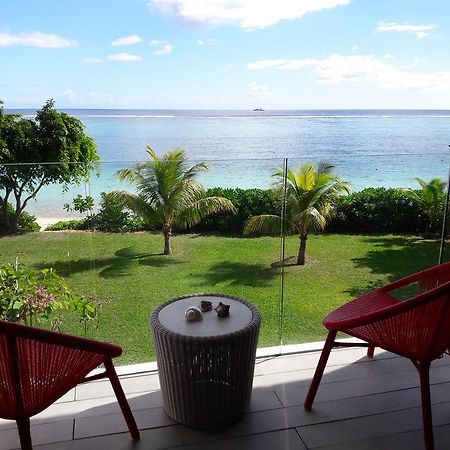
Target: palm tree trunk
302	250
167	234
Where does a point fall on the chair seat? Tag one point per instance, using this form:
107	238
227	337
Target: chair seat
369	303
398	334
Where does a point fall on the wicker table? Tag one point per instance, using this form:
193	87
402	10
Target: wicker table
206	367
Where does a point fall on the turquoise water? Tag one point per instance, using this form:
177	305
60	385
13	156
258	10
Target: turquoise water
369	148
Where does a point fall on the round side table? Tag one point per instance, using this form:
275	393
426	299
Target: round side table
206	367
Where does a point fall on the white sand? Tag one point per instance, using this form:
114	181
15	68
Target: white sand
45	221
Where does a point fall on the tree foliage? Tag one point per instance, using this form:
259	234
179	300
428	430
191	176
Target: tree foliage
168	193
429	198
311	192
52	148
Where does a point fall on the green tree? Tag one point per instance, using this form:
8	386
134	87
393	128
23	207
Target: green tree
52	148
168	194
429	198
311	191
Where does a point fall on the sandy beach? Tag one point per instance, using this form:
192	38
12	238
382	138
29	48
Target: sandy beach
45	221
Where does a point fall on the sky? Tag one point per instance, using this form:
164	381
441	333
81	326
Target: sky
226	54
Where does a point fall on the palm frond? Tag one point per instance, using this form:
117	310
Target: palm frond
193	213
311	192
269	224
136	204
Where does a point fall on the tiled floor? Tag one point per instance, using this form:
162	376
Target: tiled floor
361	404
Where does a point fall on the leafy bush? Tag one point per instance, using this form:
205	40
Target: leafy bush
74	224
114	216
371	210
249	202
37	297
26	222
381	210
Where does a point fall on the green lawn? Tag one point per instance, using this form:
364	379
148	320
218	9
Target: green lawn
129	273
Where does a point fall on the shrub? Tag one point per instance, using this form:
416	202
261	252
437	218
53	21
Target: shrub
114	216
74	224
381	210
248	202
38	297
27	222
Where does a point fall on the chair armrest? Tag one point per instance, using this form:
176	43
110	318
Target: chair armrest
415	277
399	307
61	339
402	282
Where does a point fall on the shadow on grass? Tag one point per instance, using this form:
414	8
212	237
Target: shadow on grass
394	258
238	274
286	262
115	266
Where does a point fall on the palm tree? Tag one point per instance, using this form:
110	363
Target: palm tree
310	193
428	198
168	194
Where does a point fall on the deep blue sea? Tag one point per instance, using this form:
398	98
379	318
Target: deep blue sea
368	147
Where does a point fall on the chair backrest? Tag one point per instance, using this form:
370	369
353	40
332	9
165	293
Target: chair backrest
419	328
38	366
434	277
436	314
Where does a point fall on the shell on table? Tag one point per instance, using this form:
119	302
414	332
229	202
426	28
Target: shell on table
205	305
222	310
193	314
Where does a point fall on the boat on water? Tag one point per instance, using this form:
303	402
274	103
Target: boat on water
258	109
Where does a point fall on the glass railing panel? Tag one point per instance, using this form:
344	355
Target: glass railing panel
128	271
378	237
130	274
31	251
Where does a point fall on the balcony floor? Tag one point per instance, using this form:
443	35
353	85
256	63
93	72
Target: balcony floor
361	404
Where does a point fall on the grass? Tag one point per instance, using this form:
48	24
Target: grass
131	275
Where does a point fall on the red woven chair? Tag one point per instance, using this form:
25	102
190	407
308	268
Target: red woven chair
416	328
39	366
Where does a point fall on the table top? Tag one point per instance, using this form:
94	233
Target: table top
172	317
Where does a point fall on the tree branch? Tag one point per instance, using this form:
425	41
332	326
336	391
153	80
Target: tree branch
33	194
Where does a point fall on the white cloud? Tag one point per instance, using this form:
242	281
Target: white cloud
258	90
421	31
92	60
155	42
165	50
35	39
127	57
248	14
203	42
70	95
361	69
126	40
267	64
72	98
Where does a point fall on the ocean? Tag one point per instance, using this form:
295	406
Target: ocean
367	147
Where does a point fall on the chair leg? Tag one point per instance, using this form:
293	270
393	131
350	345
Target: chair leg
310	396
424	372
23	425
370	351
123	402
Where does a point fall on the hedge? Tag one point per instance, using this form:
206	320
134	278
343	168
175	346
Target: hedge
249	202
382	210
372	210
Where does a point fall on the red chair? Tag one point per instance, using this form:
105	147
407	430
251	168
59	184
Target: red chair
416	328
39	366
